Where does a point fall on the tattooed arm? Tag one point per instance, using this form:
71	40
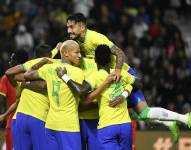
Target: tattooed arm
119	62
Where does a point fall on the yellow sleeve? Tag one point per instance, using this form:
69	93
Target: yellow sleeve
130	79
102	39
54	52
27	65
128	88
43	71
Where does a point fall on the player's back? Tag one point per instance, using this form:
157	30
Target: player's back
108	115
34	102
63	113
92	40
88	66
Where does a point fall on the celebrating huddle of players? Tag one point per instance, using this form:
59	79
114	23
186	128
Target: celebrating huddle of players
80	102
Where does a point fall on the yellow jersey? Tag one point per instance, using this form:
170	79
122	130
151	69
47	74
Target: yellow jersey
94	39
108	115
88	66
34	102
63	112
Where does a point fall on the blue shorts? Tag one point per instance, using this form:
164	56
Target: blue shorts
136	96
116	137
60	140
14	136
30	133
88	131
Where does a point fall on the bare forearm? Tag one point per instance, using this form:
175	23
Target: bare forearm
34	85
41	63
12	108
84	107
95	93
15	70
19	77
81	89
119	55
12	72
31	75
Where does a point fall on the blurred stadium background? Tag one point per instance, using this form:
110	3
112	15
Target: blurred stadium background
155	35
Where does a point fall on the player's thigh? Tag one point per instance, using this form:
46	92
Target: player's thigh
93	143
108	138
22	132
38	133
68	140
51	141
125	140
83	133
88	131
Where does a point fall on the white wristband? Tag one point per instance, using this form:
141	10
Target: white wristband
125	94
65	78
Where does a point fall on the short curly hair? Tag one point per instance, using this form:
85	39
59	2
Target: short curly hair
103	55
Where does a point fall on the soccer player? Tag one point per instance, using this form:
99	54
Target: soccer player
8	93
88	116
32	108
114	129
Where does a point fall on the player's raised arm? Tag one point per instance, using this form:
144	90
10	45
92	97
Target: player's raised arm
15	70
31	75
41	63
34	85
91	96
119	62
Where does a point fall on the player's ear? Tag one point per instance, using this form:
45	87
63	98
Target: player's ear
83	27
65	53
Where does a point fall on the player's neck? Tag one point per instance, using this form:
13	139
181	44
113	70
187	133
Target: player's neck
65	61
82	36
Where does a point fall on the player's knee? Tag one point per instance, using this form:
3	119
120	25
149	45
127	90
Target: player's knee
144	113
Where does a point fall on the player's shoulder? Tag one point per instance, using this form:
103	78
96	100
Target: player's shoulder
48	67
73	68
94	33
31	62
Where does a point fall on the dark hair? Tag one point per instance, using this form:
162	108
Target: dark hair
77	17
103	55
20	57
42	50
